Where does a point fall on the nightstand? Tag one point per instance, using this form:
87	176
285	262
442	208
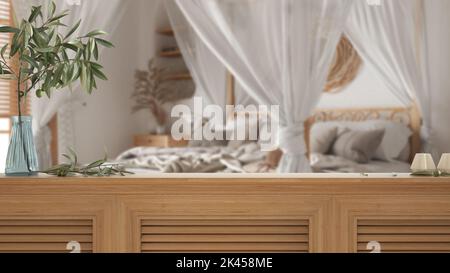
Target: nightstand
161	141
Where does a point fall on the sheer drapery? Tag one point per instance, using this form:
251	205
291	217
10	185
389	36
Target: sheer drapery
207	71
98	14
279	50
391	39
437	24
209	74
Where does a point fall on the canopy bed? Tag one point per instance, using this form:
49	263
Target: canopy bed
402	132
402	127
208	63
224	30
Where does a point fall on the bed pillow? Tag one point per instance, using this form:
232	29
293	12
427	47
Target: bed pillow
359	146
322	138
395	140
405	154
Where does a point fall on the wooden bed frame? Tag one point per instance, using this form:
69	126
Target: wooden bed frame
408	116
225	213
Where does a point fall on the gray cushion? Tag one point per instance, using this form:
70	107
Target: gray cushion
396	136
359	146
322	138
405	154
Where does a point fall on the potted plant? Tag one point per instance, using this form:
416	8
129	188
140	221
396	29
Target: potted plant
47	59
154	89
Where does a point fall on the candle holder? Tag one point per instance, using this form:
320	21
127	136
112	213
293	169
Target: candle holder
423	165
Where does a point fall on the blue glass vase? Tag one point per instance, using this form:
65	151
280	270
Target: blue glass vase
22	157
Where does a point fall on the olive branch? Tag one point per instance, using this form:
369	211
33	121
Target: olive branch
98	168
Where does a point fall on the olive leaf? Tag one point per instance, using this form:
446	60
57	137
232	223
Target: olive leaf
96	168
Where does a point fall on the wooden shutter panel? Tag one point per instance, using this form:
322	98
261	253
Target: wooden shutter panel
405	235
224	235
8	94
6	101
5	10
45	235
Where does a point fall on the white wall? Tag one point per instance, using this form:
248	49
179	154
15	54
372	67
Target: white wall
365	91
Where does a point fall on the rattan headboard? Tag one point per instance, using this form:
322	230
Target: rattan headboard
408	116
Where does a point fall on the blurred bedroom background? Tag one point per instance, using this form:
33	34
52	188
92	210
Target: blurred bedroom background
141	31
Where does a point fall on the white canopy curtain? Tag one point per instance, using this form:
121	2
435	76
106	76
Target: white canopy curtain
279	50
207	71
391	38
95	14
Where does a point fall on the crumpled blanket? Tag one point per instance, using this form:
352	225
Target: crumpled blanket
193	159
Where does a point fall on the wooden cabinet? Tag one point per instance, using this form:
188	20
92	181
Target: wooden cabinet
161	141
200	213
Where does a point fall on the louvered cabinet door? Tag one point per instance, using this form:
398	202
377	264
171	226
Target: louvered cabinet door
224	235
423	235
29	235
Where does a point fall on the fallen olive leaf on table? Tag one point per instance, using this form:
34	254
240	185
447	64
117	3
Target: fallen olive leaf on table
97	168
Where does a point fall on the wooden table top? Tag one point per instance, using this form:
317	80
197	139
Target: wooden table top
157	175
229	184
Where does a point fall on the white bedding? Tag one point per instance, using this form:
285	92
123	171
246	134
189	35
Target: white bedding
332	163
245	159
192	159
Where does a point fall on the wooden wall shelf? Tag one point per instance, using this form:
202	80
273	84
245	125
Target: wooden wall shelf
178	76
162	141
166	32
170	54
